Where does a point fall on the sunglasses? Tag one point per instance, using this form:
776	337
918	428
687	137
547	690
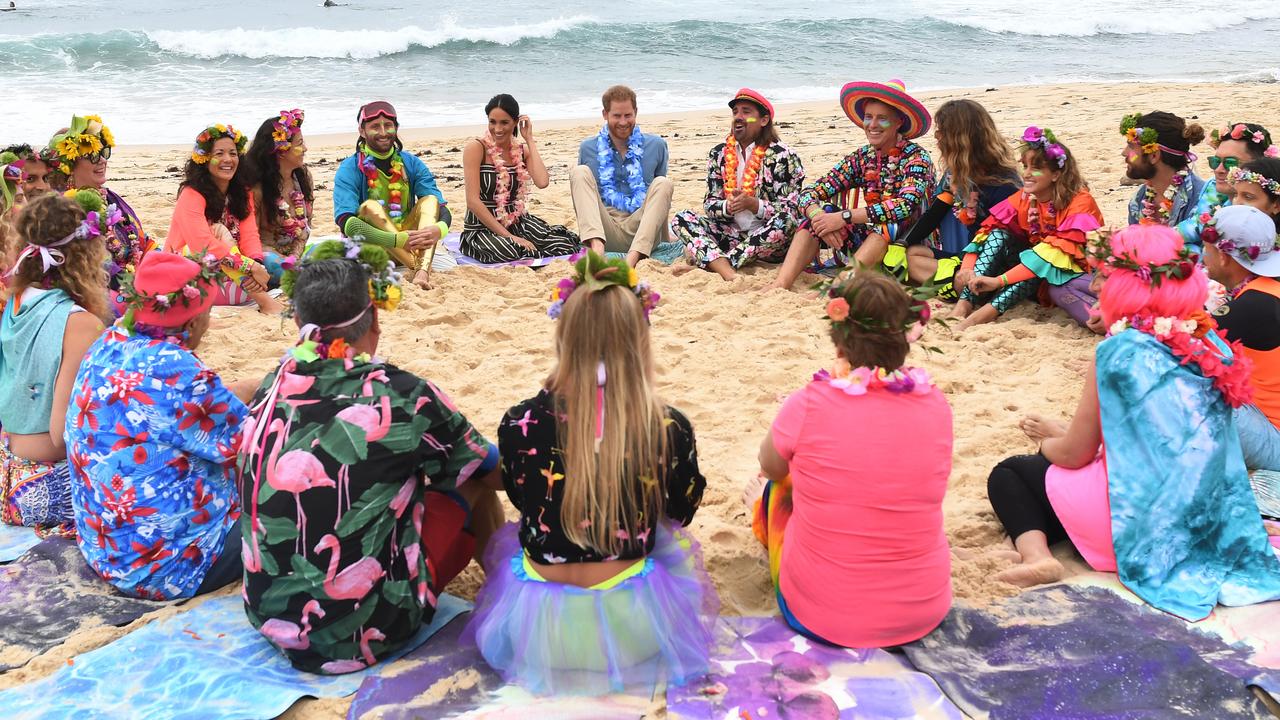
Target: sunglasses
95	158
1229	163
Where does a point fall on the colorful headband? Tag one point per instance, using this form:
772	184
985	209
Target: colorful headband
1146	137
288	124
597	272
87	137
1046	141
202	151
1181	267
194	291
384	281
839	308
50	255
1240	175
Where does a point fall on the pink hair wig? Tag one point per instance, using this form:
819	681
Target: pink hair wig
1125	294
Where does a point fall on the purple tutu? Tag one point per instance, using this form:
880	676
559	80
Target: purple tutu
653	624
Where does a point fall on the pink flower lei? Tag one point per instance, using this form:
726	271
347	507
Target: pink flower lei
858	380
502	179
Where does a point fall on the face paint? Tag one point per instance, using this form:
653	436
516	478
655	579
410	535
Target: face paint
750	120
882	123
1037	173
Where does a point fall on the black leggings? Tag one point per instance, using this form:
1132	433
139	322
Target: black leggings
1016	490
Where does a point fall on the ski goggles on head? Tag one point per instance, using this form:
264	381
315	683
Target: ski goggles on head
375	110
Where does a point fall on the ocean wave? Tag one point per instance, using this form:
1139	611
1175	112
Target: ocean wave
308	42
1088	19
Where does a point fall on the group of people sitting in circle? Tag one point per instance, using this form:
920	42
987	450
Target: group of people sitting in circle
346	493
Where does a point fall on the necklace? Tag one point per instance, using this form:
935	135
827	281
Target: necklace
1034	227
749	175
1154	213
858	380
887	170
1186	341
505	210
606	177
390	190
294	226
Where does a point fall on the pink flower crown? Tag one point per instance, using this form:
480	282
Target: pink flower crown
202	151
597	272
1047	142
1260	138
286	126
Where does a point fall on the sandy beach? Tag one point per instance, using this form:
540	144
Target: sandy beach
727	354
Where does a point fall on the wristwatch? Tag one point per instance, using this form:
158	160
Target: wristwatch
847	217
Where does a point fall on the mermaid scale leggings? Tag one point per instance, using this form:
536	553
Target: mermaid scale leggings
997	255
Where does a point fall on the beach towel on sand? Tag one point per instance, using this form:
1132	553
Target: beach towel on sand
205	663
50	593
760	669
1066	651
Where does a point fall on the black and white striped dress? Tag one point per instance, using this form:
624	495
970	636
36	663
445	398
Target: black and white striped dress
482	244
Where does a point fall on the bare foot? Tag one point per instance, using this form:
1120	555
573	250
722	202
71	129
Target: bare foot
270	306
1040	572
753	490
1038	427
962	310
422	279
682	269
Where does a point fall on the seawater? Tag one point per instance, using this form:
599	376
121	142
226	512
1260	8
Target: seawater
160	71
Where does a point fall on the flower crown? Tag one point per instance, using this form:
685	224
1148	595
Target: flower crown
596	273
1210	236
1148	138
1239	175
1044	140
192	292
289	123
841	295
384	281
202	152
1239	131
1181	267
96	211
85	137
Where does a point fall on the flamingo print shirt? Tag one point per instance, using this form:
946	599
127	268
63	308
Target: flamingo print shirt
533	474
152	435
335	471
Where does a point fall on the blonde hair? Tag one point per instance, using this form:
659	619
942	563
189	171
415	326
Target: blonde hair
48	219
972	149
619	485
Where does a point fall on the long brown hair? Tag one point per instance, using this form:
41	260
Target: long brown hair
971	148
619	484
48	219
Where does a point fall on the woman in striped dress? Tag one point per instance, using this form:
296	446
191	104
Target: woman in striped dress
498	174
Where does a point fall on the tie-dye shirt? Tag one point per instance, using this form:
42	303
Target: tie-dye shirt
333	487
152	436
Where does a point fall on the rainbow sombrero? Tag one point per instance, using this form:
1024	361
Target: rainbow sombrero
855	95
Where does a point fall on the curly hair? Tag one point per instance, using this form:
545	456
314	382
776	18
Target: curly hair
48	219
261	167
971	147
1070	182
198	177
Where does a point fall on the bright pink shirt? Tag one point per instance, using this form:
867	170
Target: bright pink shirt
865	561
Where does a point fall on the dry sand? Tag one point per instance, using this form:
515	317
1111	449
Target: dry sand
727	354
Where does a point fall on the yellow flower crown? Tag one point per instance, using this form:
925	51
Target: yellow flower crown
87	137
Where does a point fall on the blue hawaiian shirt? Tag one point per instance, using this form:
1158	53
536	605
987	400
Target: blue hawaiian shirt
152	437
1209	203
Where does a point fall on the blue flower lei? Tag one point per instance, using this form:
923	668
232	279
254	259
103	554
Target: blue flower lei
635	173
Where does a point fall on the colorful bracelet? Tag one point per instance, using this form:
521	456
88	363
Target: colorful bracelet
444	229
1004	280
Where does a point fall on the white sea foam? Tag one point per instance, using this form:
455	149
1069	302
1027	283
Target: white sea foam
310	42
1088	18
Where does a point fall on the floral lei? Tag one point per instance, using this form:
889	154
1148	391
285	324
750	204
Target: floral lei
389	190
1239	131
1181	267
1154	213
1239	175
887	167
635	171
1043	139
1146	138
285	127
1035	228
750	175
502	182
858	380
596	273
202	151
194	291
1186	340
294	227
